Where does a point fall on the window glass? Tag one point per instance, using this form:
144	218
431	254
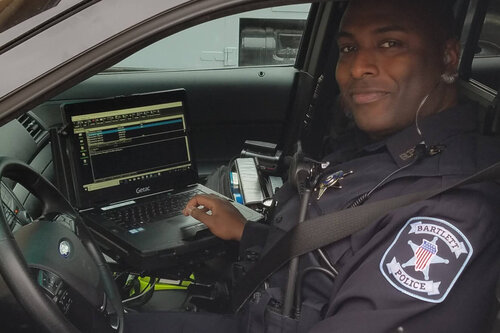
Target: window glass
269	41
13	12
268	36
19	18
486	64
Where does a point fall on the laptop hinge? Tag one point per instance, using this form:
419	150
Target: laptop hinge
107	206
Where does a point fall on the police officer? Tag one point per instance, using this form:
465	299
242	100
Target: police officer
431	265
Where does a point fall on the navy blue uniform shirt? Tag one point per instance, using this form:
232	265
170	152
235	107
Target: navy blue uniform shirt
428	266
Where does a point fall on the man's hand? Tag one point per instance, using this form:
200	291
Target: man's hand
220	216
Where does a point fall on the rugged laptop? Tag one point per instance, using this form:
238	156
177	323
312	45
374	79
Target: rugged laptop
129	168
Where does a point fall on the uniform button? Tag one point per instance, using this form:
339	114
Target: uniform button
251	255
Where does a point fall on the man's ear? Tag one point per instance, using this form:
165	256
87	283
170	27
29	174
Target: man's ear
451	55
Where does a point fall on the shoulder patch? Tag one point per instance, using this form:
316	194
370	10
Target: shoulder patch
426	258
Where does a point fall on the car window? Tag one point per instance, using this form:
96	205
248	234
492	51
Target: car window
489	40
262	37
13	12
486	64
19	17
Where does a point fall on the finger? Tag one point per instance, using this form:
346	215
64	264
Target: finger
200	215
188	209
192	203
201	200
201	209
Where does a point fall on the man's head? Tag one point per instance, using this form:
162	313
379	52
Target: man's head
392	55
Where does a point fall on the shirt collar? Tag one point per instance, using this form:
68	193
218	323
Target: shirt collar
436	130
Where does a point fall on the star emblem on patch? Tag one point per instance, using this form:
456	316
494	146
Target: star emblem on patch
426	258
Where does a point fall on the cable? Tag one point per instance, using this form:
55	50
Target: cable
187	300
420	151
119	275
149	288
298	293
327	262
419	132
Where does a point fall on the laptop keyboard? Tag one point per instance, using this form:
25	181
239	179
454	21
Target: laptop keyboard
156	208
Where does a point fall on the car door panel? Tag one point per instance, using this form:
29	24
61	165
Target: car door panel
227	106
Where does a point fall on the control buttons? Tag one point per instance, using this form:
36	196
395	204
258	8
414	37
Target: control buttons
64	300
56	289
49	281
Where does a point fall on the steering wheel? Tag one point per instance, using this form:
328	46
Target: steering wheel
57	257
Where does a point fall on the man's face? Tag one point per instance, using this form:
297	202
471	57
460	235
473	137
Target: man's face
387	65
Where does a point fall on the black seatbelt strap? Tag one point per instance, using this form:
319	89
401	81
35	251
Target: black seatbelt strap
327	229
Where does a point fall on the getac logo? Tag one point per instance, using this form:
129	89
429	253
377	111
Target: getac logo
140	190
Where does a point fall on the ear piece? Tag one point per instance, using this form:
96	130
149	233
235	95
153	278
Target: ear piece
446	59
449	78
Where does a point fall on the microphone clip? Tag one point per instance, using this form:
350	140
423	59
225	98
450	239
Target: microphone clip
421	150
304	171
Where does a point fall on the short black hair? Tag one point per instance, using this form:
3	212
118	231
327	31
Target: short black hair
436	16
441	16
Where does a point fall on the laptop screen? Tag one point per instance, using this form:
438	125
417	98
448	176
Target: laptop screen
130	146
